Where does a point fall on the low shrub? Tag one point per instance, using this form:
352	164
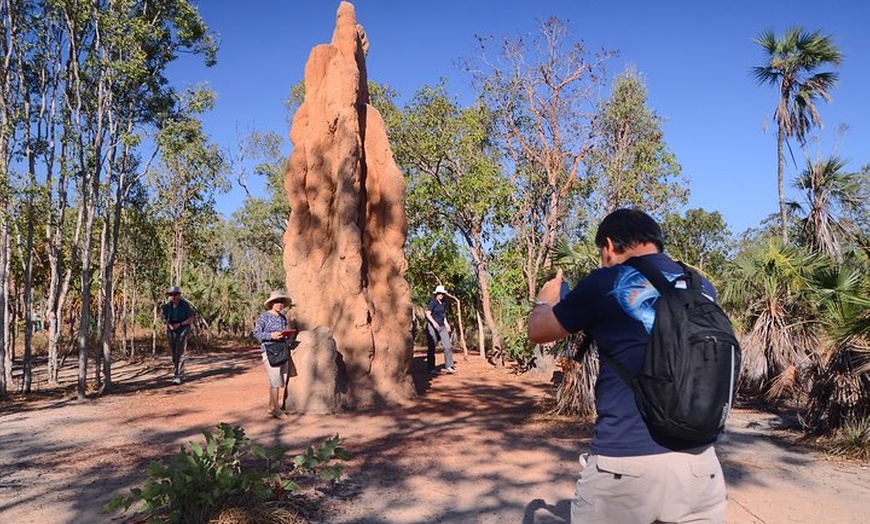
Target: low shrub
228	471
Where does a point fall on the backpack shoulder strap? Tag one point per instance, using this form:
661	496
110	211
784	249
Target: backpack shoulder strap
692	277
662	284
651	273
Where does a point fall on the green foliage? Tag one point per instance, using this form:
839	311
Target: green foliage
191	173
792	65
227	470
803	323
510	304
576	260
699	238
765	291
434	258
835	205
453	178
839	376
220	301
456	196
854	440
316	462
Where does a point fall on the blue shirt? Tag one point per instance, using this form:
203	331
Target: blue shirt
616	306
266	325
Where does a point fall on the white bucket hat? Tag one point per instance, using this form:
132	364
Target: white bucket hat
275	296
440	289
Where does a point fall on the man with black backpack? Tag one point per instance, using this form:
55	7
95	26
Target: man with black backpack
652	457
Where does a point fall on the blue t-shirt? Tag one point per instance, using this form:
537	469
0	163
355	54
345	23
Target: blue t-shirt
616	306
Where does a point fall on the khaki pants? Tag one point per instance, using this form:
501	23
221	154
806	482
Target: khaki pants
684	487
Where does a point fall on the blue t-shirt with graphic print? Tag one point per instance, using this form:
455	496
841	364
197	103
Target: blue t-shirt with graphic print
616	306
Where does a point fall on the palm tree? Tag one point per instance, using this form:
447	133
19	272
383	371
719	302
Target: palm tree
792	64
578	364
765	291
834	200
840	373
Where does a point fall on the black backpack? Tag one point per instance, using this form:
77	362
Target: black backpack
686	386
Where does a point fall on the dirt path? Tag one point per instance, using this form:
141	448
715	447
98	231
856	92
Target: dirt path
472	449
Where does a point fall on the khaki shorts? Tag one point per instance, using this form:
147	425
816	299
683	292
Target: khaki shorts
668	487
277	375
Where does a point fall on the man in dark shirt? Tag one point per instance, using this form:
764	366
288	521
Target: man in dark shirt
178	315
629	476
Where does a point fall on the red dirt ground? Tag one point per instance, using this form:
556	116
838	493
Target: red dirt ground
474	447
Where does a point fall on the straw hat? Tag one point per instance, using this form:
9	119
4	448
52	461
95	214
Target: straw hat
440	289
278	295
174	290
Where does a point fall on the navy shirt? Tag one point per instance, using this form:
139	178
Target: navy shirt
439	310
616	306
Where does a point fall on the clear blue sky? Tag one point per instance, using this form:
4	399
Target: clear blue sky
694	56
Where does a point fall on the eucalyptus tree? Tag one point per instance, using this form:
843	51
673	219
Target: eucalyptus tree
46	68
191	173
699	238
255	245
32	76
11	20
116	82
544	94
142	257
92	76
454	180
140	40
793	64
630	163
835	203
246	259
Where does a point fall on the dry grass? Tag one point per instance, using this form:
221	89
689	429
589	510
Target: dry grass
269	513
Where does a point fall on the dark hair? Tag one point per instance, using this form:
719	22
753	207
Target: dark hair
627	228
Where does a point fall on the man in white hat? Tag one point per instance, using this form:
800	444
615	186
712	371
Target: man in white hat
437	329
178	315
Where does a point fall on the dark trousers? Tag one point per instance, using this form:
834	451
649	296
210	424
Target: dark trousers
430	349
177	345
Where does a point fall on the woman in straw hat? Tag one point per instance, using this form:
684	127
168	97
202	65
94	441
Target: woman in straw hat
272	327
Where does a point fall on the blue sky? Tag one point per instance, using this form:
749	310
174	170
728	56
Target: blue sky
694	57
